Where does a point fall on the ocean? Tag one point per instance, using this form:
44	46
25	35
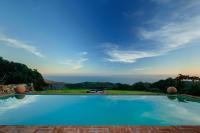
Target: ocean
127	79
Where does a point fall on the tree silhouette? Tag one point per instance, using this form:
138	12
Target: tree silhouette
17	73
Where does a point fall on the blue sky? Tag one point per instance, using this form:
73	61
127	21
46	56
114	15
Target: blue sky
105	37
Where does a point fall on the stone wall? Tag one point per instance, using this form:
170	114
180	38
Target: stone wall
10	89
6	89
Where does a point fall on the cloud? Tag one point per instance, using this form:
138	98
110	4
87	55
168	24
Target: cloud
84	53
128	56
139	69
180	30
4	40
76	64
175	34
116	54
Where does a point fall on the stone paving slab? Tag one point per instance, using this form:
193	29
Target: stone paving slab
99	129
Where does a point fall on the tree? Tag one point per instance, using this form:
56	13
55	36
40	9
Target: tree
164	84
17	73
141	86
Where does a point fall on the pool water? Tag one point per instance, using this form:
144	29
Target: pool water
99	110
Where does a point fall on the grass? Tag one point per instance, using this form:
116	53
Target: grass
129	92
63	91
84	91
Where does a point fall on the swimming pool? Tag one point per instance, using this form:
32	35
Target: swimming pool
99	110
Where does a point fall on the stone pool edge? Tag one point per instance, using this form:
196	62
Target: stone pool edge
4	95
99	129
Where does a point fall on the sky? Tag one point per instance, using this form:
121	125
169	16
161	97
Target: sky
102	38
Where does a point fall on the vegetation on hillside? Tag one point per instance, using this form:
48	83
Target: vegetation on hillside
191	87
17	73
82	91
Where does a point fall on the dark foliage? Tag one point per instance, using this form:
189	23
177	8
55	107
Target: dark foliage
17	73
162	85
142	86
184	87
90	85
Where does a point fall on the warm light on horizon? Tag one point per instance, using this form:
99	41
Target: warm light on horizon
131	39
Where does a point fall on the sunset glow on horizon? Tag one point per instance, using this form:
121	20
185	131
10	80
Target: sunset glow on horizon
102	38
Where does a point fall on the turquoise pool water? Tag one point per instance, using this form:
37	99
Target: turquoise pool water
99	110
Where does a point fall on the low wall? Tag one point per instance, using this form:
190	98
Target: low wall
10	89
6	89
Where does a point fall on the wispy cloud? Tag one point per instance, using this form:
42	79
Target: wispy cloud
175	34
139	69
116	54
8	41
84	53
178	32
76	64
128	56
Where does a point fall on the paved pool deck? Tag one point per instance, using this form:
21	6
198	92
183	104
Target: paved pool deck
99	129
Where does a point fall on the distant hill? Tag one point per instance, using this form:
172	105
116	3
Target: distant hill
17	73
90	85
184	87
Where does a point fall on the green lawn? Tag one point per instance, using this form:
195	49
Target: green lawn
128	92
63	91
84	91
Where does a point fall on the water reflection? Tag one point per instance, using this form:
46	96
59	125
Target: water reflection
20	96
172	97
182	98
17	96
6	97
175	110
99	110
12	102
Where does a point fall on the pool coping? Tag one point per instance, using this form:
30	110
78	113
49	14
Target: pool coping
162	94
100	129
79	94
